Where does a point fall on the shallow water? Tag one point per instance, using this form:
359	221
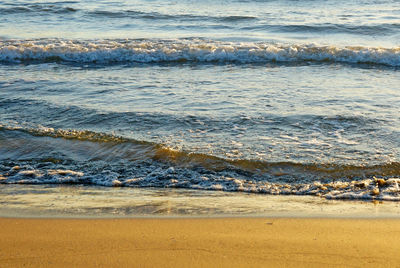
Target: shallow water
275	97
100	202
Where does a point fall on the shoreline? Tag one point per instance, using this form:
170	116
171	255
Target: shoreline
35	201
201	217
199	242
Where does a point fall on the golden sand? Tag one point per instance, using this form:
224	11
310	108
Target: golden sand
225	242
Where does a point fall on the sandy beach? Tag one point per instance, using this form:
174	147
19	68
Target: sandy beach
205	242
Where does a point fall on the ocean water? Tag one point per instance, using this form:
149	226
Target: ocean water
262	97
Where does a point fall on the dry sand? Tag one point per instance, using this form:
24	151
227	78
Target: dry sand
224	242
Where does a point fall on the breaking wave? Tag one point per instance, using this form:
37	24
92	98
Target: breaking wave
90	158
187	50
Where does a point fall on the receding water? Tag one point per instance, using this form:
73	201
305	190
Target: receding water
100	202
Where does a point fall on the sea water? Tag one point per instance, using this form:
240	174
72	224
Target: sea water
262	97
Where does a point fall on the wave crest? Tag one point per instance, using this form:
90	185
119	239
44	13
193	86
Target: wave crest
187	50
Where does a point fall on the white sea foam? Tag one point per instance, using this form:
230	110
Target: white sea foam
163	167
185	50
170	177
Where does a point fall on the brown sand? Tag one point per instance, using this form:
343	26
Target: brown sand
227	242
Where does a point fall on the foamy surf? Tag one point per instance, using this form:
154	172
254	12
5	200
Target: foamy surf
188	50
89	158
161	176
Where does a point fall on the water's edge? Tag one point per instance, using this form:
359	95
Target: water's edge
47	201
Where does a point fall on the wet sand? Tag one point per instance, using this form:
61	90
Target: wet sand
206	242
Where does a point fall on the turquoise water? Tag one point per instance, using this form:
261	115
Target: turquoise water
273	97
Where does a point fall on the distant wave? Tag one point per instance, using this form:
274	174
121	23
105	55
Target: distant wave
85	157
163	16
187	50
134	14
37	8
186	19
378	29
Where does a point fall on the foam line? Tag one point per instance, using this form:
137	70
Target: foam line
187	50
